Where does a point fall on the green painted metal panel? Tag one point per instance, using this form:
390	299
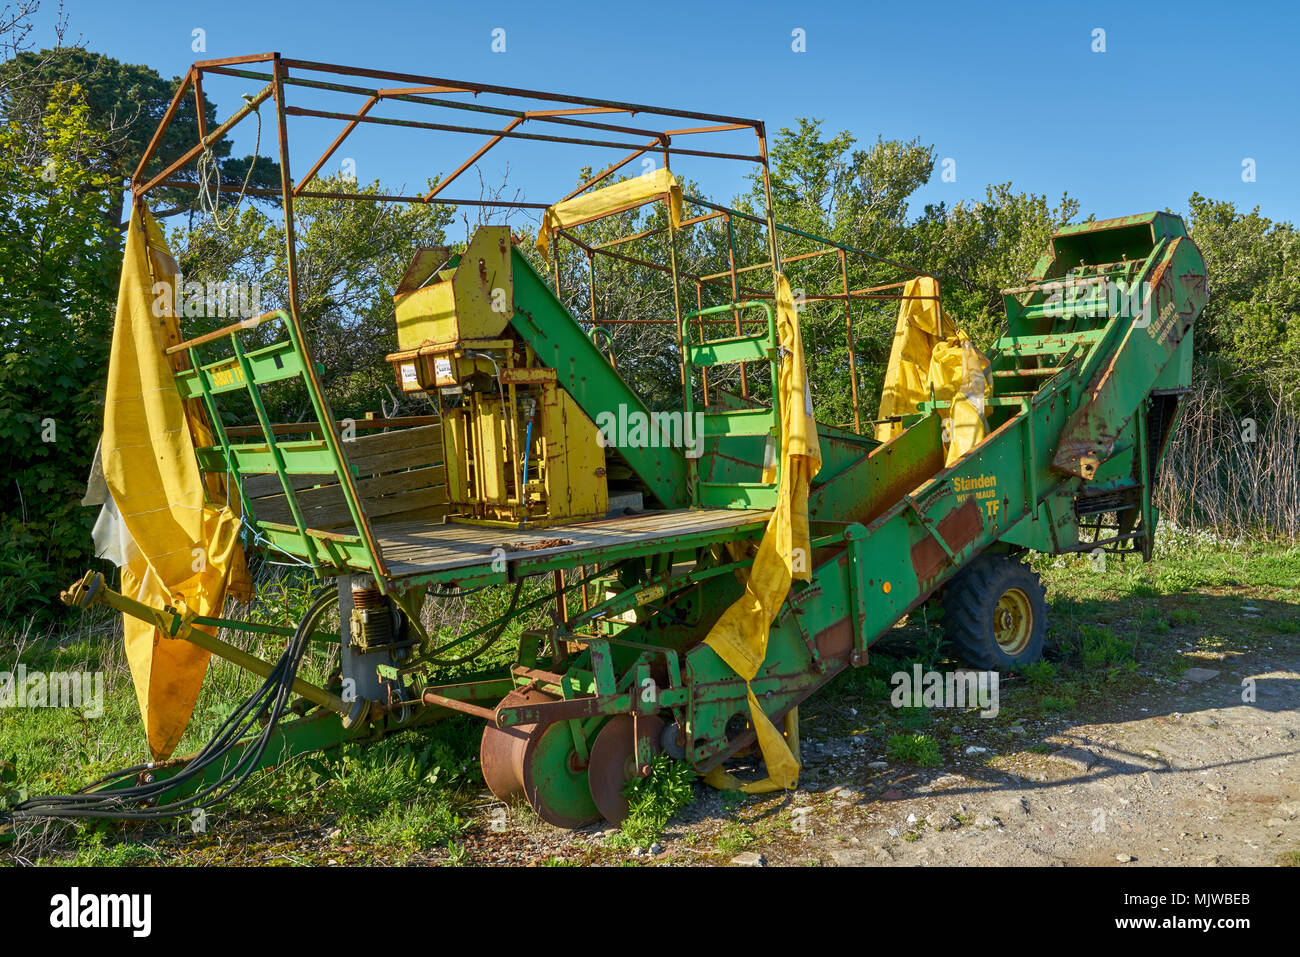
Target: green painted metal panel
301	457
584	372
730	351
737	495
1046	345
738	422
280	361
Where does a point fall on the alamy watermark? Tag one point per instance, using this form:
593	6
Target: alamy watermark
635	429
223	300
127	911
946	689
1078	300
56	689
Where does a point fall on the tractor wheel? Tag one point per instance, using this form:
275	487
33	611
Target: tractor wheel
995	611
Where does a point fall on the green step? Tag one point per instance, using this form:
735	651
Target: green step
305	457
730	351
737	495
1016	373
271	364
739	422
1048	345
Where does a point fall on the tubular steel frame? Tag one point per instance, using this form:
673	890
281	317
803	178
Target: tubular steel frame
571	113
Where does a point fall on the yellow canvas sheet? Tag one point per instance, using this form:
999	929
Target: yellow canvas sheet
930	354
184	548
784	553
628	194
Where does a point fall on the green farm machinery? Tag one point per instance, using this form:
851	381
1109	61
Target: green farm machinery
530	465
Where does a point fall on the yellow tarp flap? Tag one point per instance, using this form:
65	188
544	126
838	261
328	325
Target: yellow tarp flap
183	547
740	635
628	194
931	353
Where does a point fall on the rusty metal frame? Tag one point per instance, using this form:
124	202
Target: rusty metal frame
569	121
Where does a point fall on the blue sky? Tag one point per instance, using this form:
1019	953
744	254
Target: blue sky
1183	93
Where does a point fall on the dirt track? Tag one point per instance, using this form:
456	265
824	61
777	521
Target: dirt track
1188	774
1197	777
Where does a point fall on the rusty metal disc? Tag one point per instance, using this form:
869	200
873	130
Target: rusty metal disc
501	750
555	779
613	762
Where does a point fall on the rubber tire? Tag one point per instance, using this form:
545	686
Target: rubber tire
969	603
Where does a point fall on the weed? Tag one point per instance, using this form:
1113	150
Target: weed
874	689
1039	672
654	800
735	837
918	749
914	719
456	854
1102	648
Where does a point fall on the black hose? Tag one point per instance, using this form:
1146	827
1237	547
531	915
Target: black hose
498	629
133	803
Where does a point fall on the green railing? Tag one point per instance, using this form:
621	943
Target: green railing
320	456
728	423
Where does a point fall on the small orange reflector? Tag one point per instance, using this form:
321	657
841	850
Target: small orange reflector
886	586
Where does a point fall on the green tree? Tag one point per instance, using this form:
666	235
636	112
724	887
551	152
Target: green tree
125	102
350	256
979	249
58	277
1250	332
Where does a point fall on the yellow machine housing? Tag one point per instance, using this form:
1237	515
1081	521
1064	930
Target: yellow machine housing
518	450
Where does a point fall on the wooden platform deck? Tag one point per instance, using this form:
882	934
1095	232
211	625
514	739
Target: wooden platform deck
412	548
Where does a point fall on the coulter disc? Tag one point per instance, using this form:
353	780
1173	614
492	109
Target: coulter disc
500	752
539	762
555	783
613	763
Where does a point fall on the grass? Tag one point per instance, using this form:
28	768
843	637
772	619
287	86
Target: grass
1102	648
1040	672
914	719
408	797
735	837
919	749
396	798
1054	703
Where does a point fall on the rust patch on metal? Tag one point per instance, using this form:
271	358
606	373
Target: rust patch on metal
538	546
904	476
959	528
836	641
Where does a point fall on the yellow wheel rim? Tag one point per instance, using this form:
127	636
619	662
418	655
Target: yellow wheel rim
1013	621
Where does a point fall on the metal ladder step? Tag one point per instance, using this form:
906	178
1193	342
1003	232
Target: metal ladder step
1016	373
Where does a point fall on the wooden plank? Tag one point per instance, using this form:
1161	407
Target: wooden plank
325	507
417	457
313	428
338	516
256	486
433	513
371	454
417	546
377	443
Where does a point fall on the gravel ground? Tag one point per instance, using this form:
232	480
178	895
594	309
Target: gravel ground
1189	774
